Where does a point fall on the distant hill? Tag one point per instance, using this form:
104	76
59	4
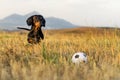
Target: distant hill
12	21
56	23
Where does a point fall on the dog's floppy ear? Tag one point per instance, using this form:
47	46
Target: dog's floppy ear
42	19
29	21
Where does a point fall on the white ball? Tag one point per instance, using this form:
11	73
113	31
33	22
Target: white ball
79	57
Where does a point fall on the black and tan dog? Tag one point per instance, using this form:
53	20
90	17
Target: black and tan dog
35	34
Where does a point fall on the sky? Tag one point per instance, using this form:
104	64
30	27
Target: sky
79	12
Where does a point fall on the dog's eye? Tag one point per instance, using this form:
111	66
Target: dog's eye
41	18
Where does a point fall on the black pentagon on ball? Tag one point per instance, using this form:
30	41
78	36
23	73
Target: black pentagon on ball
84	55
76	56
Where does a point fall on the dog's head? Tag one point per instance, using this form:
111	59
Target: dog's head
36	20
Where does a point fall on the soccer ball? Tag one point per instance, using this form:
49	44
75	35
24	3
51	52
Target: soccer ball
79	57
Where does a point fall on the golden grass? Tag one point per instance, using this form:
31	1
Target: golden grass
51	59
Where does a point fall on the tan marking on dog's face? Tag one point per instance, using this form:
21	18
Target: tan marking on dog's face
37	23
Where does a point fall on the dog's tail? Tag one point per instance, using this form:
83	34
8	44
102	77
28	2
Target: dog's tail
23	28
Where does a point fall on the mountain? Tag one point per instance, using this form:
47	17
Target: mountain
15	20
12	21
56	23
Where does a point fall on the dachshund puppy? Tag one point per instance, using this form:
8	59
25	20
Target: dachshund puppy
35	34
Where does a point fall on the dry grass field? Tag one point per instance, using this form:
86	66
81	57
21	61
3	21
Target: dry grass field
51	59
